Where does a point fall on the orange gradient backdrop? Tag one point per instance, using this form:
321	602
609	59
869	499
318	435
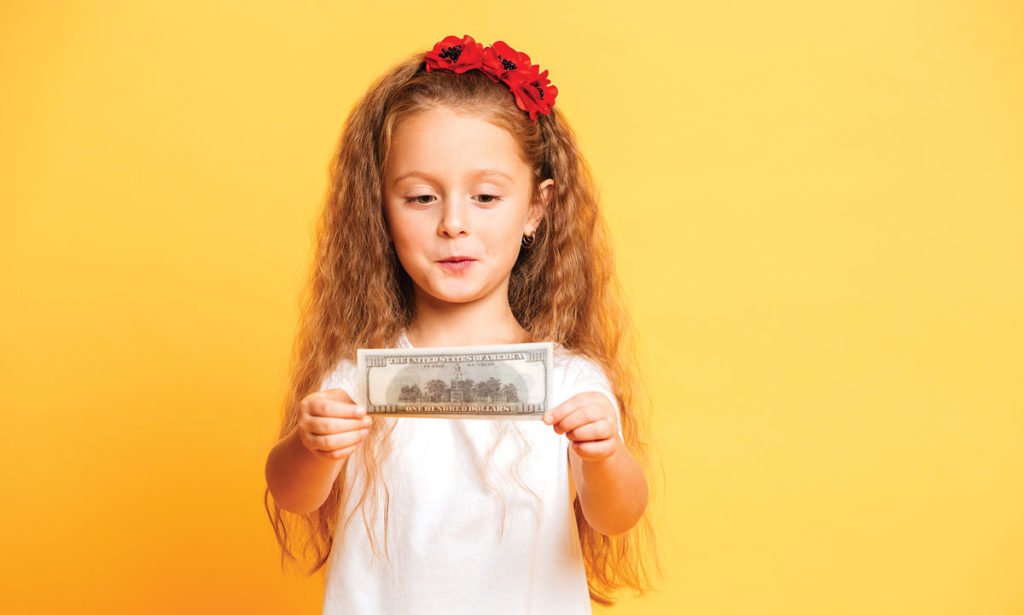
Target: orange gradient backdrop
818	210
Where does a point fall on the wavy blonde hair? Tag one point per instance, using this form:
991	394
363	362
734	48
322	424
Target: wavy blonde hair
563	289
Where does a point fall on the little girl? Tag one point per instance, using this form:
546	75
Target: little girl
462	213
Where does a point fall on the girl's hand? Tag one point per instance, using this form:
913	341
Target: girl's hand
331	425
589	420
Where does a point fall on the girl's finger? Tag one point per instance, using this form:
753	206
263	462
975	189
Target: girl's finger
324	406
594	450
327	426
340	440
579	417
601	429
340	395
559	412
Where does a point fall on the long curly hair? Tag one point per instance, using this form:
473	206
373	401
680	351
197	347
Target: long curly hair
563	289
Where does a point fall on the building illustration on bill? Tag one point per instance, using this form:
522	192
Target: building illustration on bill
459	390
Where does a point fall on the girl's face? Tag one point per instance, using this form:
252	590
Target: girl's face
457	201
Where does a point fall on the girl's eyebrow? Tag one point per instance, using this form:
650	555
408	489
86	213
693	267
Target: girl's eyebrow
474	173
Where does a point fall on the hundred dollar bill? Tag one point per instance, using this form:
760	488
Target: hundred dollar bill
510	381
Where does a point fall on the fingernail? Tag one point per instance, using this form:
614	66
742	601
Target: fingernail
547	418
360	411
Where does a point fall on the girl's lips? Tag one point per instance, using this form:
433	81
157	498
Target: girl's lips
456	265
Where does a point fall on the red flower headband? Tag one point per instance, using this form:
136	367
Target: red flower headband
532	89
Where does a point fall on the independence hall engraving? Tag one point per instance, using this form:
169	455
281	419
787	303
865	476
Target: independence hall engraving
461	396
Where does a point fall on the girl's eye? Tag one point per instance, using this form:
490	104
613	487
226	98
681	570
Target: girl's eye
484	198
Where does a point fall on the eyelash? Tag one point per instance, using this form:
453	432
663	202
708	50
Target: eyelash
494	199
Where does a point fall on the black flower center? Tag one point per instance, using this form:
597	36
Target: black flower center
540	90
507	64
452	53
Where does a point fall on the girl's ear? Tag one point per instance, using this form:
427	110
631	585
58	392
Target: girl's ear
540	204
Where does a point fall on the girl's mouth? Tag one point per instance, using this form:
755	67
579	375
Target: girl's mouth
456	264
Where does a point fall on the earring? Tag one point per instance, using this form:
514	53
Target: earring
528	240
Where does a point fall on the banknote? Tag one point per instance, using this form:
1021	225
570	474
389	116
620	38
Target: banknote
511	381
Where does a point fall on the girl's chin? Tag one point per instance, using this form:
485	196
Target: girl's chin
454	297
455	294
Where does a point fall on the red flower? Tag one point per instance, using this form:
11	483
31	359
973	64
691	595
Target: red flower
455	54
534	92
531	88
500	60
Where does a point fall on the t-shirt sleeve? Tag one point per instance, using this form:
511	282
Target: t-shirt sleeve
342	377
590	376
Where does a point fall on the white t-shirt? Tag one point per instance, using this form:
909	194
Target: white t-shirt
448	551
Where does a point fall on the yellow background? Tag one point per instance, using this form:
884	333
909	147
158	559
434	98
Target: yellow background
818	210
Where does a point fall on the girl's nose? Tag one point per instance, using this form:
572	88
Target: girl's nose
453	219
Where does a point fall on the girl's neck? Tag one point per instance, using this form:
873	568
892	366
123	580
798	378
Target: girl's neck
487	321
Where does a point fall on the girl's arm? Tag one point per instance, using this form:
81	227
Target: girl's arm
612	491
298	479
610	482
302	466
